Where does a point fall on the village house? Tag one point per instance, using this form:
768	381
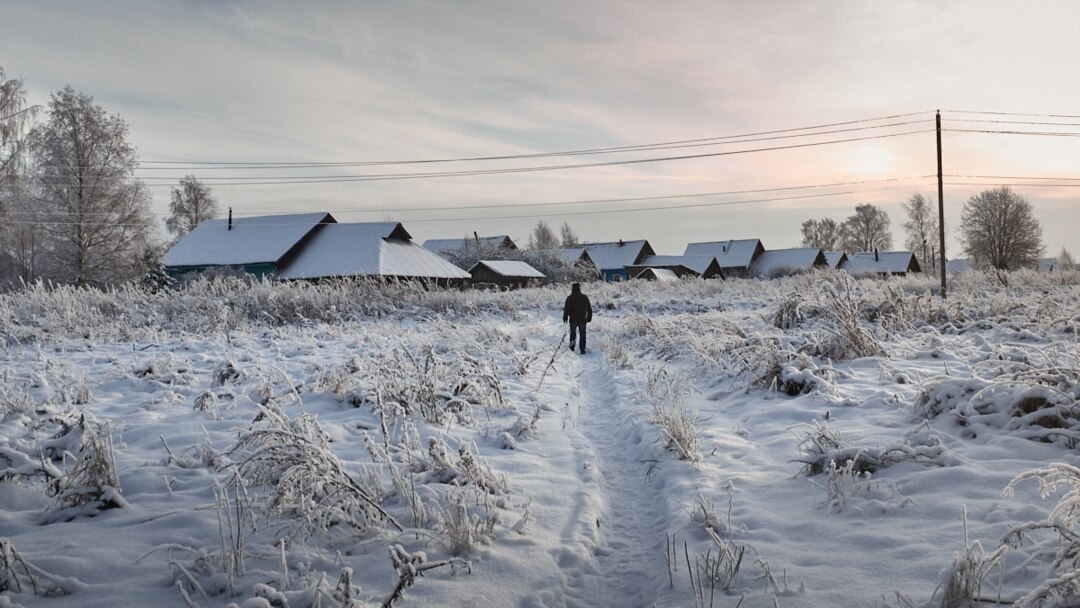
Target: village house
884	263
682	265
451	249
782	262
611	259
835	259
734	257
307	246
509	274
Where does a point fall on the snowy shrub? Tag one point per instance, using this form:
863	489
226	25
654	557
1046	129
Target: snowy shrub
844	482
19	576
847	339
411	566
790	313
821	449
1055	539
309	484
92	484
666	393
961	583
461	469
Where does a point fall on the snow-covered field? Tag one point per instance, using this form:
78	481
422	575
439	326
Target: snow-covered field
807	441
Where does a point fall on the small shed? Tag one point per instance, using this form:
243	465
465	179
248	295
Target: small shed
657	274
735	257
262	245
504	273
783	262
884	263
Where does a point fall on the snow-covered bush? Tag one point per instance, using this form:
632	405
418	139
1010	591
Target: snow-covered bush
19	576
311	491
1055	539
666	393
847	338
92	484
961	583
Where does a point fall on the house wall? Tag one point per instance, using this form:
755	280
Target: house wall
259	271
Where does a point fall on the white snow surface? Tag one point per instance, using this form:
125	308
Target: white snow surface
252	240
545	470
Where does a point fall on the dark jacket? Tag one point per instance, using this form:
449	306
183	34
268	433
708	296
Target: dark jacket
577	309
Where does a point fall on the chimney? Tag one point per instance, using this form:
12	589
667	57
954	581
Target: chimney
230	218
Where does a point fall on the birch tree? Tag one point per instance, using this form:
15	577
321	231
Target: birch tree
189	205
93	212
17	232
921	230
825	234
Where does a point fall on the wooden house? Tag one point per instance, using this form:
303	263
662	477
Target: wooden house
735	257
782	262
504	273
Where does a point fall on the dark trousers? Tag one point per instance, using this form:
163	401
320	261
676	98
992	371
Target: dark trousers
577	329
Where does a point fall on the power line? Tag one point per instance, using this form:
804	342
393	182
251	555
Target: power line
534	169
563	214
992	113
603	150
543	204
1005	132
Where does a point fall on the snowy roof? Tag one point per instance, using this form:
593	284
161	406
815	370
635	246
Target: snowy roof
510	269
886	262
778	260
697	263
570	255
368	249
835	258
658	274
729	254
448	246
618	254
959	265
252	240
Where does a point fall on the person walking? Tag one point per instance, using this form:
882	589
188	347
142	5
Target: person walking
578	311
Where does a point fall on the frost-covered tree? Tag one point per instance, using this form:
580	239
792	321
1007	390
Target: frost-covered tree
16	229
998	228
189	205
543	237
825	234
569	238
867	230
1065	260
93	212
921	229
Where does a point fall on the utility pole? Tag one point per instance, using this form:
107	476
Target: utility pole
940	207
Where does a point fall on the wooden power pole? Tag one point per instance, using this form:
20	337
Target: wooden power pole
940	207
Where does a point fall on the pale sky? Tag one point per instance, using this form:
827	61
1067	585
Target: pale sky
350	82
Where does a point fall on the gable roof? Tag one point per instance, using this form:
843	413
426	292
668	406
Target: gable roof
571	255
729	254
884	262
618	254
657	274
779	260
698	263
368	249
509	269
445	247
835	259
252	240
